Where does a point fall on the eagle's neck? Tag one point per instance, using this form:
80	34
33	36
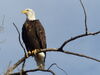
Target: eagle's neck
31	17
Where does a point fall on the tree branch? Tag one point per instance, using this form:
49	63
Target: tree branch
49	50
58	68
10	69
81	35
34	70
21	45
85	19
68	52
77	37
19	38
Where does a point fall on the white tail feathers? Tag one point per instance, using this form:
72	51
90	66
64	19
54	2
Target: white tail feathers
40	60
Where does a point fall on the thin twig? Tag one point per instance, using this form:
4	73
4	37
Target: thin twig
20	44
23	65
85	19
57	67
77	37
19	38
81	35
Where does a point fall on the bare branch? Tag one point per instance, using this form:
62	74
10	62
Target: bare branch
34	70
54	49
23	65
48	50
19	38
10	69
85	20
77	37
21	45
81	35
68	52
81	55
58	68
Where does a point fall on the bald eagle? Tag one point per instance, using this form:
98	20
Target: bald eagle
33	36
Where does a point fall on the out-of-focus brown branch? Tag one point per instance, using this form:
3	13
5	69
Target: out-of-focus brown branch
2	24
2	28
3	20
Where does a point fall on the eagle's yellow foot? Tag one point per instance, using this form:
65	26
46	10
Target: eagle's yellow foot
29	53
34	51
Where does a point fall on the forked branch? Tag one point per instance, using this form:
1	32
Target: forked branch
49	50
81	35
77	37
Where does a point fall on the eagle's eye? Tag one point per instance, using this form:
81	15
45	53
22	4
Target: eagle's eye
27	10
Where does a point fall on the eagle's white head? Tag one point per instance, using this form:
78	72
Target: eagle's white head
30	14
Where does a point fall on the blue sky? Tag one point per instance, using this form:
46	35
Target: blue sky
61	19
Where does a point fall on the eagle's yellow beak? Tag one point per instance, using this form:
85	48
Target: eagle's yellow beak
24	11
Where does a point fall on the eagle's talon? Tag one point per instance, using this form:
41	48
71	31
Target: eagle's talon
29	52
34	51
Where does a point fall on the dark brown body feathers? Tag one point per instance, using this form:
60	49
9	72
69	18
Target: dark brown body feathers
33	35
